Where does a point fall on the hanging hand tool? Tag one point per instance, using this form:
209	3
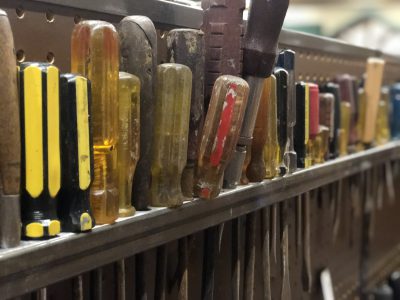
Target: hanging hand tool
348	94
259	52
138	42
314	119
286	60
395	111
307	279
186	46
343	134
10	141
301	130
95	54
218	139
139	57
373	83
382	131
361	117
170	139
327	119
41	158
285	289
282	110
321	145
77	154
265	252
334	89
256	170
128	147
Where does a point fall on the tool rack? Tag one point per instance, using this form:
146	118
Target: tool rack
357	260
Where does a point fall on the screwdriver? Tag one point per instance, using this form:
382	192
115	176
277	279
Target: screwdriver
372	86
301	129
343	135
129	139
286	60
395	111
186	46
170	140
220	132
326	119
334	89
41	159
362	102
10	150
282	110
77	154
95	54
382	131
139	57
259	52
256	170
314	119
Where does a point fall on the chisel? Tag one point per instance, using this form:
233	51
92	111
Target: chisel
128	147
334	89
77	154
282	110
41	155
395	111
286	60
223	31
10	139
95	54
138	43
186	46
372	86
218	139
138	46
259	52
170	138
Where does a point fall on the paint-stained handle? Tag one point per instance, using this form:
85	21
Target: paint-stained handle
186	46
170	140
373	84
138	45
220	134
10	143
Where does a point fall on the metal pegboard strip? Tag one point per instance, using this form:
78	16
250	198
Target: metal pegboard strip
37	264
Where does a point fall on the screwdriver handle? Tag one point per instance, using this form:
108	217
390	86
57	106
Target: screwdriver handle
170	140
95	55
382	131
301	129
10	142
326	112
77	154
395	113
373	84
260	40
128	147
345	119
41	153
220	134
186	46
256	170
271	146
314	110
138	43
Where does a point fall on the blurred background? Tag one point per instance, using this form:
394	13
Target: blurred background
369	23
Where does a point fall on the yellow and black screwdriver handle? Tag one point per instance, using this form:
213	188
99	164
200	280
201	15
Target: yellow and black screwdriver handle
77	154
41	157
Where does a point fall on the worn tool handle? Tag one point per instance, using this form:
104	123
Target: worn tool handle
95	54
170	140
334	89
395	113
256	170
138	43
345	119
301	129
41	153
10	142
326	112
382	131
373	84
271	146
260	40
220	134
186	46
128	147
77	154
